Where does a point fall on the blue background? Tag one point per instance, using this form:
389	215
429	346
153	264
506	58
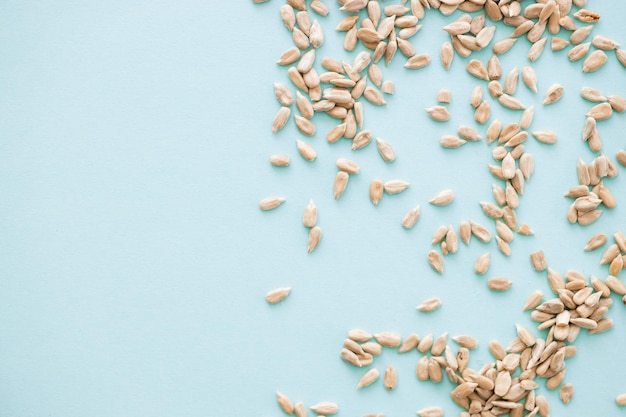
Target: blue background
134	261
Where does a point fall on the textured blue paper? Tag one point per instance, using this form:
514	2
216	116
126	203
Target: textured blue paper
134	146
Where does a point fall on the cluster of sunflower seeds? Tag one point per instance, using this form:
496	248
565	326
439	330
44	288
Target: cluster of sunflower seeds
325	408
601	111
584	210
614	255
467	34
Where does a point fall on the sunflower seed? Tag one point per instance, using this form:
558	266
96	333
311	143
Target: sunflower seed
395	186
281	119
594	61
621	400
511	102
277	295
340	184
325	408
411	217
438	113
388	87
617	103
446	55
436	261
417	61
430	412
409	343
536	50
524	229
270	203
558	44
530	78
503	246
368	378
376	191
503	45
429	305
285	404
315	234
451	142
477	69
587	16
545	136
443	198
600	111
388	339
465	230
480	232
553	94
482	113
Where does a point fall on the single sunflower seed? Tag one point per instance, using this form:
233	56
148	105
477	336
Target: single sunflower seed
277	295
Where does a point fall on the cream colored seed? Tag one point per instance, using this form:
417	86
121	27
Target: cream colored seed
395	186
348	166
368	378
340	184
285	404
536	50
388	87
438	113
436	261
621	400
388	339
530	78
444	96
310	215
465	231
417	61
524	229
306	150
482	113
443	198
429	305
411	217
409	343
579	51
558	44
359	335
477	69
281	119
325	408
467	342
554	94
482	263
511	102
600	111
277	295
446	55
271	203
385	150
594	61
499	284
533	300
618	103
315	235
503	45
545	136
376	191
430	412
279	160
580	34
451	142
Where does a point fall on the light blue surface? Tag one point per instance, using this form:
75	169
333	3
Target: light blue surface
134	145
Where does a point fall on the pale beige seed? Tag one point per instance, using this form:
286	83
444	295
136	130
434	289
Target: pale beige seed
280	119
480	232
430	412
499	283
300	410
618	103
529	77
579	52
482	263
409	343
491	210
277	295
340	184
558	44
443	198
325	408
493	132
524	229
502	383
603	326
320	8
368	378
508	167
503	45
288	16
315	235
476	96
594	61
615	285
436	261
446	55
465	231
591	94
587	16
361	140
511	102
348	166
482	113
494	88
411	217
279	160
395	186
511	81
374	96
310	215
451	142
527	117
417	61
429	305
285	404
336	133
536	50
477	69
533	300
580	34
621	56
425	344
290	56
388	87
545	136
438	113
385	150
444	96
485	36
600	111
270	203
621	400
388	339
620	240
465	341
306	150
359	335
469	133
376	191
553	94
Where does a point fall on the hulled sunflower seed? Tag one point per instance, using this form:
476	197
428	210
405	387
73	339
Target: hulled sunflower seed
436	261
446	55
545	136
482	263
524	229
600	111
385	150
388	339
621	400
443	198
553	94
271	203
587	16
285	404
340	184
465	231
348	166
477	69
279	160
306	150
580	34
499	283
368	378
451	142
538	260
503	45
315	235
591	94
482	113
325	408
411	217
511	102
480	232
395	186
533	300
429	305
417	61
558	44
280	119
376	191
594	61
430	412
530	78
409	343
536	50
617	103
438	113
277	295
